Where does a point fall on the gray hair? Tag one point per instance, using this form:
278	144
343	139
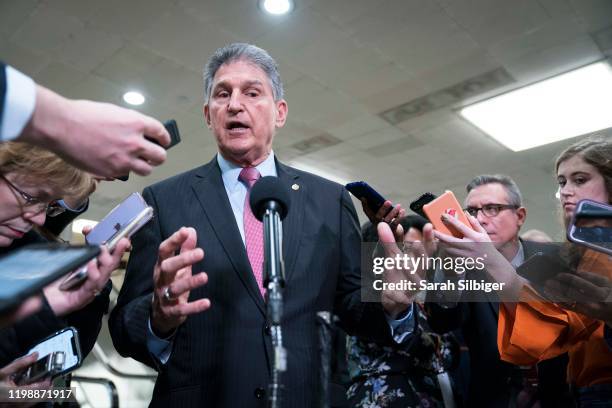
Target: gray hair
514	194
247	52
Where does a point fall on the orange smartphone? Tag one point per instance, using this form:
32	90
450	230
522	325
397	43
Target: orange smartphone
446	204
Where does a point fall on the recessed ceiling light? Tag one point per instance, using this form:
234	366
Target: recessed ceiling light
134	98
568	105
277	7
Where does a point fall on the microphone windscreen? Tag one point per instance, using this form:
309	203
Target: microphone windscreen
268	189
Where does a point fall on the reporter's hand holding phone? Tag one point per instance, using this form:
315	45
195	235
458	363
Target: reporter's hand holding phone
101	138
584	292
173	279
7	373
386	213
63	302
476	243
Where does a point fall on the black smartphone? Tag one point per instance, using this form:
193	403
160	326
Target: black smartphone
175	138
60	354
361	189
27	270
543	266
591	226
417	205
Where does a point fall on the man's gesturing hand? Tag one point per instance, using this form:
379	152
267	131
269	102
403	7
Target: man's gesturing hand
173	280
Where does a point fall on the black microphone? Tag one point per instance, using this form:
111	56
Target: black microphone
269	193
269	202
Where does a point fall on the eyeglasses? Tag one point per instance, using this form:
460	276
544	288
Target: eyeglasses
490	210
52	208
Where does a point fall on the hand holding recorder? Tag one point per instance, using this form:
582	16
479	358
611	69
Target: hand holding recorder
9	373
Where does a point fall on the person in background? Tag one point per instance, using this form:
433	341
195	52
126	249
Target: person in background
407	374
494	205
584	171
535	235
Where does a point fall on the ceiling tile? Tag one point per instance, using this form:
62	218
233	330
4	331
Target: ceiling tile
131	18
59	77
81	9
184	38
128	65
14	13
77	49
492	21
596	14
46	30
30	62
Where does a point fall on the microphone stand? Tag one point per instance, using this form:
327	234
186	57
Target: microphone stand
274	269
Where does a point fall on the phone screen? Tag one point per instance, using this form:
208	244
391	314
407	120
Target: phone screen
29	269
66	341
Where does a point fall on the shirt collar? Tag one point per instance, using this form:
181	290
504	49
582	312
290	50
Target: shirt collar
519	258
231	171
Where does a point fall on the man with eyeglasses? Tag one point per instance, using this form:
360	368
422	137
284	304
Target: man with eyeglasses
496	202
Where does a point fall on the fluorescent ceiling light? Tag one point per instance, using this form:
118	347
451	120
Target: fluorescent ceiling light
277	7
134	98
568	105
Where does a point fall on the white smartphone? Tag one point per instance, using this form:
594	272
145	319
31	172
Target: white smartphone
58	354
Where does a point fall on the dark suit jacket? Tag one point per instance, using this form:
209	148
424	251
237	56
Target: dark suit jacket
488	385
221	357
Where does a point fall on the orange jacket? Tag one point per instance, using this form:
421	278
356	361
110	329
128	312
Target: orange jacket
540	330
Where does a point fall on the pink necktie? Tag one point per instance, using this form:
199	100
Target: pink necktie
253	228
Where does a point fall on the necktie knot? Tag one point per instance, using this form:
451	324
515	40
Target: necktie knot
249	175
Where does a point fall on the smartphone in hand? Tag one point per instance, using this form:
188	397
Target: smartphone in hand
123	221
175	138
446	204
361	189
59	354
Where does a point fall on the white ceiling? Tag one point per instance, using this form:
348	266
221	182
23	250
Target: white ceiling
343	62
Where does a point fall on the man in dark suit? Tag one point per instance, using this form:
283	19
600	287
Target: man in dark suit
496	202
222	357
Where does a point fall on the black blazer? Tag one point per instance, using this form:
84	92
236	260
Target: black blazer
488	385
222	357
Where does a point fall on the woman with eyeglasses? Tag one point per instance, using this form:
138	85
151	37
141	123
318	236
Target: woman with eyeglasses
32	181
537	330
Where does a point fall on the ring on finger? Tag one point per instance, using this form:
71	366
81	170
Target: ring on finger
167	295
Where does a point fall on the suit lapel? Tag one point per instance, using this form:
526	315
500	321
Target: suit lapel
292	224
210	191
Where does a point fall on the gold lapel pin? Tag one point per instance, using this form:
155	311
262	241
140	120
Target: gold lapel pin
295	187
